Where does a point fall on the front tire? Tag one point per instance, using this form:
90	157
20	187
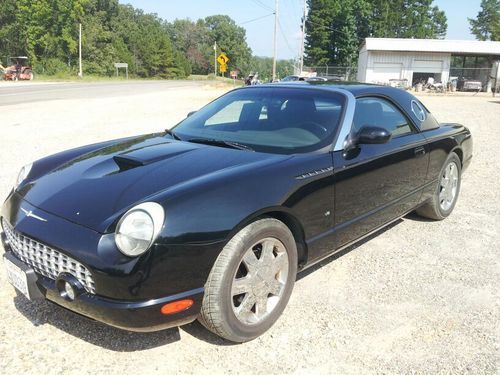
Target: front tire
251	281
445	196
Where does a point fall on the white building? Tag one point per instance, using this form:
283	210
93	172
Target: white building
415	60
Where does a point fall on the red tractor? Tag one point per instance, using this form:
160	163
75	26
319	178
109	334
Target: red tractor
18	70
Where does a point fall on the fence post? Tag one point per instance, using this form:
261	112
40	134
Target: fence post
496	79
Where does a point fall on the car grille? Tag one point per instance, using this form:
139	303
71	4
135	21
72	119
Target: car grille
45	260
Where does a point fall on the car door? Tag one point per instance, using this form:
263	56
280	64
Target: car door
378	182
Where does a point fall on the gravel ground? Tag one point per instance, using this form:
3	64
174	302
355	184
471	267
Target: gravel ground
419	297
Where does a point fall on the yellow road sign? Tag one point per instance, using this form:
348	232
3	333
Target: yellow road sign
223	68
223	59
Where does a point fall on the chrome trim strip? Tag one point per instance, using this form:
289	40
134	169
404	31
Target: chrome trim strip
347	120
314	173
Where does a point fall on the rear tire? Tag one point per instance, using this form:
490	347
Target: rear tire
445	196
250	282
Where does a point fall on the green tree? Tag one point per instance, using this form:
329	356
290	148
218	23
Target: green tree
264	66
407	19
47	32
336	28
231	39
192	40
486	26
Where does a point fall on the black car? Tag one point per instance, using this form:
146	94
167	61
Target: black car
214	218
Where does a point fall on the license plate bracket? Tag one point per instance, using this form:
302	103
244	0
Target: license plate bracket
22	277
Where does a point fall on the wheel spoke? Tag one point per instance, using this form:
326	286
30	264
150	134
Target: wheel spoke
246	305
251	261
267	251
280	263
275	287
241	286
261	306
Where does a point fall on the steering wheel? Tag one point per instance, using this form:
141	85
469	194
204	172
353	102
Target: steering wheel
317	129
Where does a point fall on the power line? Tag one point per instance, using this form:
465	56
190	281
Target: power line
285	38
256	19
262	5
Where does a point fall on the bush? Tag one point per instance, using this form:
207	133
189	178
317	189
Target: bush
52	67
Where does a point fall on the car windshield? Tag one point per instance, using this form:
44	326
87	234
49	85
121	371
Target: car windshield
276	120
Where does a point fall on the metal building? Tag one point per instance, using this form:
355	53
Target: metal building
415	60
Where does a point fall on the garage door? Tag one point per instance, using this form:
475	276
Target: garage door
383	72
426	66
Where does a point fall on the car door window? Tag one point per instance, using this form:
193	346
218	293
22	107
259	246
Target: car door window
381	113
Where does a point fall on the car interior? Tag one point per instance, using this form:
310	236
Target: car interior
285	122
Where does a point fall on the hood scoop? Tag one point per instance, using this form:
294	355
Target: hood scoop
125	163
151	154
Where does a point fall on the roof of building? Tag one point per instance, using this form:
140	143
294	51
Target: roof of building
433	45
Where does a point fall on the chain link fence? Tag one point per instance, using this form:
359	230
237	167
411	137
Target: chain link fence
336	73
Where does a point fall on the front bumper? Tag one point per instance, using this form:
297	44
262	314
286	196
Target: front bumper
141	316
129	292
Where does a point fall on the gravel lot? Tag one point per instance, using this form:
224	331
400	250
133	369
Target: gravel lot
420	297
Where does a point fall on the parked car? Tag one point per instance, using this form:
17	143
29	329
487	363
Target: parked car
292	79
214	218
316	79
464	84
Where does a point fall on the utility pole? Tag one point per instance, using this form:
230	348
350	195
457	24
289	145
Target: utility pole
301	64
276	20
215	58
80	71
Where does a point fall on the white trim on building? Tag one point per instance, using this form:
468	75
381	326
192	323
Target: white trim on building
383	59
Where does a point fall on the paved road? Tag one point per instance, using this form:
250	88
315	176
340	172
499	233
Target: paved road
13	93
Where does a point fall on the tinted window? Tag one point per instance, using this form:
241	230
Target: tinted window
380	112
283	120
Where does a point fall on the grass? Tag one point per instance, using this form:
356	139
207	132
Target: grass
66	77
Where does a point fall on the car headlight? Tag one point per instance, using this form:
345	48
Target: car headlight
23	173
138	228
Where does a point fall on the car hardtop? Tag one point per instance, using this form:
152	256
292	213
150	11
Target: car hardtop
357	89
401	98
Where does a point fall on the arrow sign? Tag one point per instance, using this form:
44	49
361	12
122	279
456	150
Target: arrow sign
223	59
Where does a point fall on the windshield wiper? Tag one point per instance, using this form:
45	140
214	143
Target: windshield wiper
172	134
219	142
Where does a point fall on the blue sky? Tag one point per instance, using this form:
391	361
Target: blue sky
259	33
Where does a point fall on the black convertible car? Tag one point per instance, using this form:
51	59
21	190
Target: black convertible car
213	219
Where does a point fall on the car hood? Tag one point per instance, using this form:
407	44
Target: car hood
93	188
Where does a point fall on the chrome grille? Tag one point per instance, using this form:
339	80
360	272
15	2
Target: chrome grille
45	260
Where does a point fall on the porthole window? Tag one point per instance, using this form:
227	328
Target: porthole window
417	109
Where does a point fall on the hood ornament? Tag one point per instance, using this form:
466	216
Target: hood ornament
31	214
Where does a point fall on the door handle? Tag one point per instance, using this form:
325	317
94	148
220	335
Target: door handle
419	151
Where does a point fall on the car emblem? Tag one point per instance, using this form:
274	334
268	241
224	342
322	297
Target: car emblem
31	214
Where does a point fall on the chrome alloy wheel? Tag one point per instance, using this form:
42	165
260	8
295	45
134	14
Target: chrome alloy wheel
448	186
259	281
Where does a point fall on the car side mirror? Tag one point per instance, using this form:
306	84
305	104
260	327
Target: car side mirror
370	135
191	113
366	135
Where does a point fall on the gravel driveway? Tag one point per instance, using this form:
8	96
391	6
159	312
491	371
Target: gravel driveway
419	297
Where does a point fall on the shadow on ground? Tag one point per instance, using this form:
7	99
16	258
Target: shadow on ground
107	337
